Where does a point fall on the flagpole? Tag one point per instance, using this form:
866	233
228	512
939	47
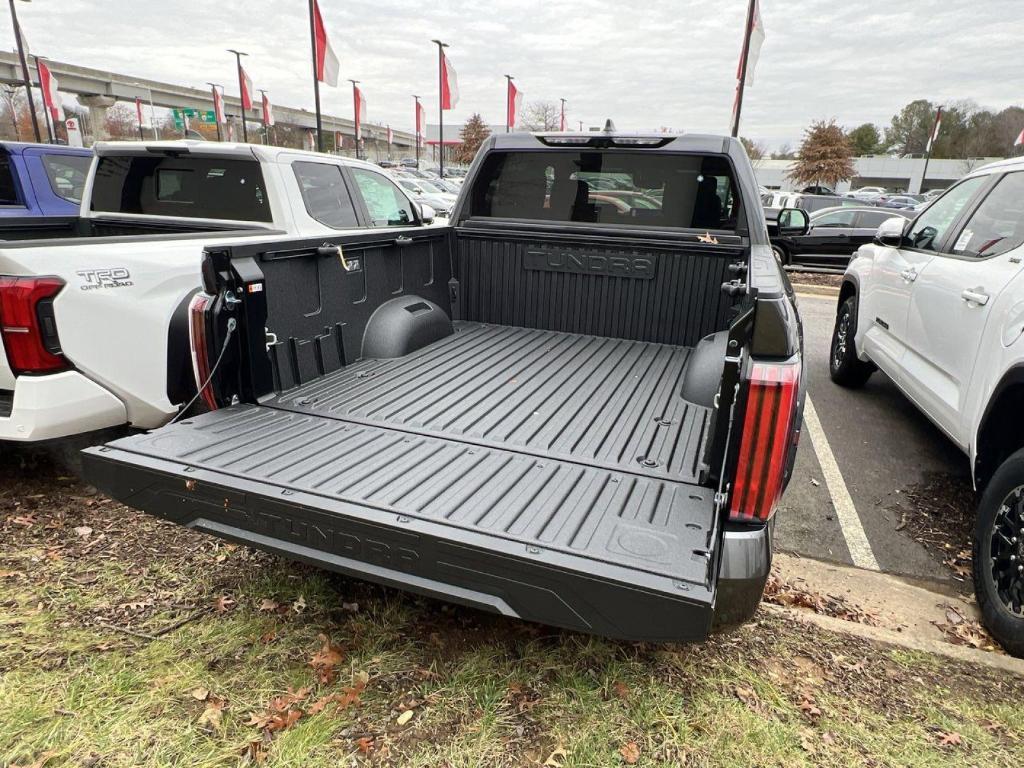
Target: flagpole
25	74
241	89
416	126
508	102
440	104
216	117
263	110
138	114
743	69
316	78
355	114
928	148
561	122
46	111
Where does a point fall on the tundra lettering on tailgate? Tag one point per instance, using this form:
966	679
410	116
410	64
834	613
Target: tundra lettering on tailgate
589	263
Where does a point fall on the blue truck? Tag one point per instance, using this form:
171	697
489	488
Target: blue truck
41	179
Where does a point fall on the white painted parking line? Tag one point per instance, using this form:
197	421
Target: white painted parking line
849	521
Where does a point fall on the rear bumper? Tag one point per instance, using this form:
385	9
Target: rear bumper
746	563
58	405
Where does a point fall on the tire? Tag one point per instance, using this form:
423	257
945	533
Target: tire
998	555
845	368
781	254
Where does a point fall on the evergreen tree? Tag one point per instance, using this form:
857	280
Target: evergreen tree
473	134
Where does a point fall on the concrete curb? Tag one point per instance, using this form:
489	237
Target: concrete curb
815	290
962	653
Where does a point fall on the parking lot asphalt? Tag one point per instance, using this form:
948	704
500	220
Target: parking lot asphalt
881	445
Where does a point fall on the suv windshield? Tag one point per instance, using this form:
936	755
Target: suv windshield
193	187
624	188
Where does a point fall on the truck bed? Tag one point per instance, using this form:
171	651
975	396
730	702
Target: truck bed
541	474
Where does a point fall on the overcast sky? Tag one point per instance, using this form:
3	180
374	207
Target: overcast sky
645	64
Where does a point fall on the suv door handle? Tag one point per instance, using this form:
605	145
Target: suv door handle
403	240
910	274
975	296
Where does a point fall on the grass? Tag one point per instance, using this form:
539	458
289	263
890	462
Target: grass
76	689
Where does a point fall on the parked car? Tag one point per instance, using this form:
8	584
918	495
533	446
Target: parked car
896	201
811	203
424	191
496	412
818	189
834	235
867	194
94	308
937	304
41	179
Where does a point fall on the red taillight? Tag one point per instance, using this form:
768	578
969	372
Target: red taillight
27	324
766	440
200	354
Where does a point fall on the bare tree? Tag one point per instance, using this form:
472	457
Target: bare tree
756	150
542	116
9	108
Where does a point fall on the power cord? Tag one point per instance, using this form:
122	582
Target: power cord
232	324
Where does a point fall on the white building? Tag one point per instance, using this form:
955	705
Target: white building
897	174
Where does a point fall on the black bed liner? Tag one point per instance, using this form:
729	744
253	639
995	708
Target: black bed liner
544	475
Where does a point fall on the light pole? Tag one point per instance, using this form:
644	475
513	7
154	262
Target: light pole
508	102
440	105
24	72
561	123
241	90
355	114
417	124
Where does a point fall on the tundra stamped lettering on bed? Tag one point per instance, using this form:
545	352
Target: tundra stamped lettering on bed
582	262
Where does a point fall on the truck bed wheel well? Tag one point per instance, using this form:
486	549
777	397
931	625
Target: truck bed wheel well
1000	435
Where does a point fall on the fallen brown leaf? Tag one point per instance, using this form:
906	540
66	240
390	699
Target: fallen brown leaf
213	715
952	739
269	605
630	752
223	604
555	758
326	660
621	690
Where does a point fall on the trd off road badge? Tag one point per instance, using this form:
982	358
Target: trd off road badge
114	277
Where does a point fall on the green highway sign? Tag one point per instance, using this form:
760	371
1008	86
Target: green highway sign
202	115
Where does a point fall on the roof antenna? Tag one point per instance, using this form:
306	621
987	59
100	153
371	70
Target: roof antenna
609	126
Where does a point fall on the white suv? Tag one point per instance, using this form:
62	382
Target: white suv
937	303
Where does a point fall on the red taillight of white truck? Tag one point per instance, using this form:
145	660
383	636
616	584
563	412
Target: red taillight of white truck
766	441
200	354
27	324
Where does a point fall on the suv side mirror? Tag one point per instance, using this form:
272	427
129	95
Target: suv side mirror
890	232
794	222
427	213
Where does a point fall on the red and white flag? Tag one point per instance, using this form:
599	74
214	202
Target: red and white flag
246	89
754	43
421	123
268	111
326	61
935	130
391	136
48	85
449	84
360	109
218	106
138	112
1020	140
515	103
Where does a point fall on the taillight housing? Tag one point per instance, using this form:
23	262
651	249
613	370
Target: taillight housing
27	324
774	392
197	327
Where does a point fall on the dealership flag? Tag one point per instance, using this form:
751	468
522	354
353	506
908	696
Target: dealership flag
757	38
246	89
515	102
421	123
1020	140
268	111
218	106
935	131
360	105
48	85
449	84
326	61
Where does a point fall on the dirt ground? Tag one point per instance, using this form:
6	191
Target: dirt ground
128	641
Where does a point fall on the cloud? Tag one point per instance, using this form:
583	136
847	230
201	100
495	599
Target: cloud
645	65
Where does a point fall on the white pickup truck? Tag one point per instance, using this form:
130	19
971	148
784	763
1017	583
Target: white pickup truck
937	304
94	308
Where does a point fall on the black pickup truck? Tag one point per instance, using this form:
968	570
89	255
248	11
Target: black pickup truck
577	404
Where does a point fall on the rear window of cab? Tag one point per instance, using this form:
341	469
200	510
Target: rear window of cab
621	188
